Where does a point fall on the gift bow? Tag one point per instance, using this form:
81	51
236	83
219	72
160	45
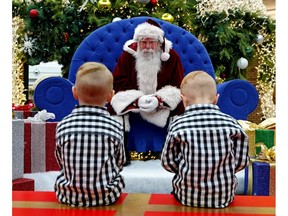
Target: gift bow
265	153
41	116
250	126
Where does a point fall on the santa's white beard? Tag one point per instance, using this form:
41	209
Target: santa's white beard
148	64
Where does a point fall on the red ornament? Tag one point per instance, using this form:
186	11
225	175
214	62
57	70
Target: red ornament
66	36
33	13
223	75
153	2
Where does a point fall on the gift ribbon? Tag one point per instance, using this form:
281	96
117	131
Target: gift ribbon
250	178
250	129
34	147
250	126
38	147
265	153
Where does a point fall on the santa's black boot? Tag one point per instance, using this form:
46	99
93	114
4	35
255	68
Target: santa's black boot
127	153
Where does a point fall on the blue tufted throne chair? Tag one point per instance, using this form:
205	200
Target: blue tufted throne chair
237	97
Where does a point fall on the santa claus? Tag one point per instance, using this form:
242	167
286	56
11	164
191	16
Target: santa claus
147	77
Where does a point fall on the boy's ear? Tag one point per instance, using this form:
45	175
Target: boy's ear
216	99
109	98
184	100
74	91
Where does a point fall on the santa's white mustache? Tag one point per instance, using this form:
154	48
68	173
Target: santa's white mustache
148	51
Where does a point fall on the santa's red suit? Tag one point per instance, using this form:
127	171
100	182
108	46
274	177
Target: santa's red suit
147	130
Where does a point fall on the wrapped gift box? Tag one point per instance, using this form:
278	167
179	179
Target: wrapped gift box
24	114
251	141
260	178
39	147
23	111
266	137
23	184
17	149
259	133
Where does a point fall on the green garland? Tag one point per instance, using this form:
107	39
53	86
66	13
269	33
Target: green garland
230	37
62	25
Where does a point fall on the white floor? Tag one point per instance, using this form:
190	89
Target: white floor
140	177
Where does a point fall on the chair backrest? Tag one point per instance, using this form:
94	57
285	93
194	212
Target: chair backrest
105	45
238	98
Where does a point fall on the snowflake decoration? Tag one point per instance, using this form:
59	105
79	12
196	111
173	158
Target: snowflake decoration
28	45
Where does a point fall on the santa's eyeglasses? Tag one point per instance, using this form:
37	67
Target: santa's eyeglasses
149	42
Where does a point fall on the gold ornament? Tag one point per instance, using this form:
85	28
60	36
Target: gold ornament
104	3
167	17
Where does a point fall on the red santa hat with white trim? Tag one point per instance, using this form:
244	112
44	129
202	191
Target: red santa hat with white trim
151	29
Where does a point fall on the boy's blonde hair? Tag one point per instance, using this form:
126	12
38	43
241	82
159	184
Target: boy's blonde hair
198	87
94	83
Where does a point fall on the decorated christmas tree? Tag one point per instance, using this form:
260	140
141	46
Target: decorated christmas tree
233	32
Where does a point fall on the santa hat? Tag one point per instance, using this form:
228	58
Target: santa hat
151	29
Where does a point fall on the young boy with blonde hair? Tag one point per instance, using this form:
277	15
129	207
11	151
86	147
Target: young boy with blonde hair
204	147
89	143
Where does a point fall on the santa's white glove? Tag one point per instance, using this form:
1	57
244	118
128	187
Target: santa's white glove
148	103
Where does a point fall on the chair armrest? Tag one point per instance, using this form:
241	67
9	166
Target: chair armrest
55	95
238	98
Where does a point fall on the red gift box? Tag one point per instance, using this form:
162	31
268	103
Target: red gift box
23	184
39	147
23	111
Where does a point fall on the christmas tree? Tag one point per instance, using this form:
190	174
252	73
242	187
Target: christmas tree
53	29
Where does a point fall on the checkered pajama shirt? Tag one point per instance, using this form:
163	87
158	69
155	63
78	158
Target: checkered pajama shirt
90	153
205	148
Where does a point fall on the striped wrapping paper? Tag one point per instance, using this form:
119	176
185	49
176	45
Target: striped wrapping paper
17	149
39	147
24	114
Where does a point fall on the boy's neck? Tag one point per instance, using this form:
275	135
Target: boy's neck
92	104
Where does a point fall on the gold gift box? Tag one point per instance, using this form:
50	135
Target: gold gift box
250	128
